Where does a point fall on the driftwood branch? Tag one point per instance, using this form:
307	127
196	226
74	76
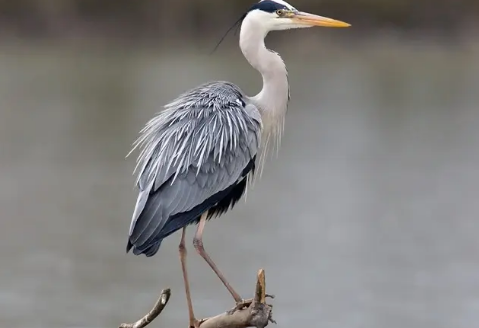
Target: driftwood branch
150	316
251	313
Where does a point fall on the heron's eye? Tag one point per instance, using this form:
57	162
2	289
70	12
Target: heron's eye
280	12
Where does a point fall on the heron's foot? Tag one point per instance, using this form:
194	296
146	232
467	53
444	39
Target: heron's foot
195	323
243	304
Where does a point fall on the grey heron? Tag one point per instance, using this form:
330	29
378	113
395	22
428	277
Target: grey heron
198	154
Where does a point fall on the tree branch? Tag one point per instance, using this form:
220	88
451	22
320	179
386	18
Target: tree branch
150	316
250	313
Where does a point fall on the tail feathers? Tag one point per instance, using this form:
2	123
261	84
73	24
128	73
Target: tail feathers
149	250
129	245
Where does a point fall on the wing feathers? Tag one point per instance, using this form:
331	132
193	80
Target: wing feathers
193	155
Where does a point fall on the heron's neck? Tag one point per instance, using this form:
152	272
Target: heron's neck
273	98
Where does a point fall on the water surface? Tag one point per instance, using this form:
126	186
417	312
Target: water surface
368	217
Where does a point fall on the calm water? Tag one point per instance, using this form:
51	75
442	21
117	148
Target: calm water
368	217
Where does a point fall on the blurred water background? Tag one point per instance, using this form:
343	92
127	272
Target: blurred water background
367	218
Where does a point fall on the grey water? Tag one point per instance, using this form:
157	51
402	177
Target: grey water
368	216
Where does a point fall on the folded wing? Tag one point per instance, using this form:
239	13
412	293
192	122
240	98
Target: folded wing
196	156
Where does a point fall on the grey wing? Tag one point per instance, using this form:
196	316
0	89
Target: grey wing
196	157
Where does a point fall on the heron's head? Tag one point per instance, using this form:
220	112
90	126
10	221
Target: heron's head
276	15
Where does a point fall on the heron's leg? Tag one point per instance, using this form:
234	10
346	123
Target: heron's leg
198	243
182	249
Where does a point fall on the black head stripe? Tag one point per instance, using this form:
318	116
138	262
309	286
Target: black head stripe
267	6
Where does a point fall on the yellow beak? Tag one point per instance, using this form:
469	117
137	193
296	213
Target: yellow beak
315	20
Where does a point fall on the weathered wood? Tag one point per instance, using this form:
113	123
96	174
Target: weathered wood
251	313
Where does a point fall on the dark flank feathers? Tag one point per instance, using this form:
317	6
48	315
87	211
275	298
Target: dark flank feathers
216	205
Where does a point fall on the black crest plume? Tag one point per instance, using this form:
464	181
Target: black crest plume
268	6
235	25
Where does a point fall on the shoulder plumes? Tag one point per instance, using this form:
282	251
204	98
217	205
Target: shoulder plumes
206	121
